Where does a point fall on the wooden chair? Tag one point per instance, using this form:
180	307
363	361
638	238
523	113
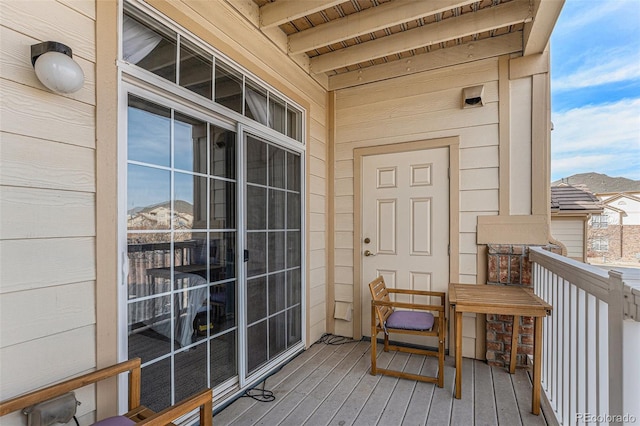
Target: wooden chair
384	318
137	414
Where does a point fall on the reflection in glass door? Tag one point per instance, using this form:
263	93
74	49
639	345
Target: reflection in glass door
181	244
273	243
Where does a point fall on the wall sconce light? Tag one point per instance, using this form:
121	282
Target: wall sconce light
473	96
55	67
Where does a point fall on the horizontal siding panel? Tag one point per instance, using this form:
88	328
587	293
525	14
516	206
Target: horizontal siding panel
317	240
44	213
415	124
16	65
317	295
479	200
318	131
317	167
479	158
343	187
50	20
344	169
42	114
343	257
344	222
344	204
469	220
468	264
468	243
394	107
317	222
87	7
317	277
30	264
344	240
344	292
344	275
317	203
479	179
317	313
317	185
468	279
317	259
37	363
460	76
37	163
317	149
34	314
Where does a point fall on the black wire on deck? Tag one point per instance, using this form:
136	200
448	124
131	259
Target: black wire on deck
262	395
332	339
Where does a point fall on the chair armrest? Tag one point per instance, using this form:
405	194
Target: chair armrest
168	415
438	308
31	398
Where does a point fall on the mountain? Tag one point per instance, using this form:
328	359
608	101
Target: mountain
599	183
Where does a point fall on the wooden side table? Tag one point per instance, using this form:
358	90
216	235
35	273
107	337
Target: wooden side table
501	300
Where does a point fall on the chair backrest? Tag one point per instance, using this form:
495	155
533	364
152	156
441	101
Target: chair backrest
379	293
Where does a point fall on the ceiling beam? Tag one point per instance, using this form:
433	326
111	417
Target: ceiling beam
538	32
273	14
468	52
514	12
369	20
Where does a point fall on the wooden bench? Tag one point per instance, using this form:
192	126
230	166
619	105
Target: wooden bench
139	414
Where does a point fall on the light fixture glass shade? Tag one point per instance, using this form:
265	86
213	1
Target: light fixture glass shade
59	72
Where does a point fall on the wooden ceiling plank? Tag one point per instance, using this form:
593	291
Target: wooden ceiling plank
273	14
474	51
516	11
538	32
368	21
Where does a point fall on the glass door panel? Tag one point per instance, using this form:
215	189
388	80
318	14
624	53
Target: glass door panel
273	213
182	281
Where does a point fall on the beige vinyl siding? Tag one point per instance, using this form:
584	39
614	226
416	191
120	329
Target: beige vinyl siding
47	199
570	232
412	108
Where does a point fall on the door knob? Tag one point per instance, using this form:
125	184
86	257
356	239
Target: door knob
368	253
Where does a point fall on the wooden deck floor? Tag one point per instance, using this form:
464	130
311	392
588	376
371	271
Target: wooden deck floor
331	385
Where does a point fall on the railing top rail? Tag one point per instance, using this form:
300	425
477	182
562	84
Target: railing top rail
590	278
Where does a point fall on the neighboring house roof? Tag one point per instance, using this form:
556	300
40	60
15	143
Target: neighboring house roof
599	183
569	199
622	195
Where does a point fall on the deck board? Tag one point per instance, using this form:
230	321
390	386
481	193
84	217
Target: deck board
331	384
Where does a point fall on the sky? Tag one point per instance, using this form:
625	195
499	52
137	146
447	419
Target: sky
595	89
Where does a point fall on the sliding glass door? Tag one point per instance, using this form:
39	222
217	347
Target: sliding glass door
214	252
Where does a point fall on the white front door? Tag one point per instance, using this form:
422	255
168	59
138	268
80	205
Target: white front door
405	224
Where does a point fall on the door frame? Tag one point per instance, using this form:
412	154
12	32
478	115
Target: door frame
453	143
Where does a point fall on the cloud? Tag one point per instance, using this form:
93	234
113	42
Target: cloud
615	68
597	138
595	126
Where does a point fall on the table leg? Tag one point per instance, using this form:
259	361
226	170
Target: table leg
537	365
458	318
514	343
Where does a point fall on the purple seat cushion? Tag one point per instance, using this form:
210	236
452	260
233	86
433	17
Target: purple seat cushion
409	320
115	421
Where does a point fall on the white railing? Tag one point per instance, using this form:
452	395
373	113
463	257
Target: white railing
591	341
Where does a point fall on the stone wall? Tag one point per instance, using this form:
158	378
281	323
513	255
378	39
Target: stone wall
508	264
